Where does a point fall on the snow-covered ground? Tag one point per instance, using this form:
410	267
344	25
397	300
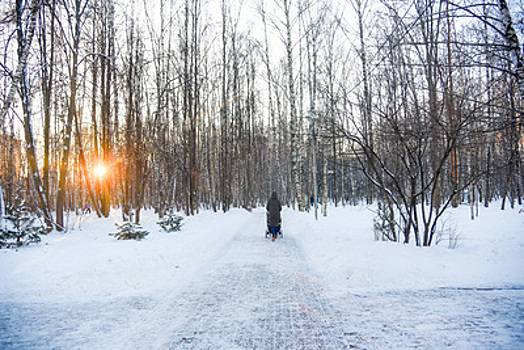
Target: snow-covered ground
88	264
489	253
218	284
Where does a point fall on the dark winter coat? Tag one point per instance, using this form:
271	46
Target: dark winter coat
273	208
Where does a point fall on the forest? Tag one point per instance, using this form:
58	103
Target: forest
190	105
261	174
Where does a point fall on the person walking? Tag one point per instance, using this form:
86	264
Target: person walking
274	219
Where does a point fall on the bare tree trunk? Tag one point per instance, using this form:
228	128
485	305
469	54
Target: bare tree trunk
294	127
513	42
367	121
71	114
450	106
94	89
194	168
224	146
324	184
106	83
2	209
22	77
47	87
24	43
311	36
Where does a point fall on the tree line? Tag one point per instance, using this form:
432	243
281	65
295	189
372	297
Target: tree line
188	104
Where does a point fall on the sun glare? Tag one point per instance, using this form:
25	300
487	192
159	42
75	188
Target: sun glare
100	171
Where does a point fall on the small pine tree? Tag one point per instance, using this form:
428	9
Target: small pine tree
171	222
19	226
129	230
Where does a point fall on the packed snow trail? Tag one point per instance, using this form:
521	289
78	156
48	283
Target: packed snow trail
256	294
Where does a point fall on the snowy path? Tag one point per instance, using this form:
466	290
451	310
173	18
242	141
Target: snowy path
256	294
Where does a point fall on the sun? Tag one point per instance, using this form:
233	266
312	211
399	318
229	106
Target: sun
100	170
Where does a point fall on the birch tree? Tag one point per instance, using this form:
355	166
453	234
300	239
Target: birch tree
75	14
21	77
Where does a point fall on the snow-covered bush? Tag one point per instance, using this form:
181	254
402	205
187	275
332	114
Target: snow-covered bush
384	223
447	232
129	230
171	222
19	226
